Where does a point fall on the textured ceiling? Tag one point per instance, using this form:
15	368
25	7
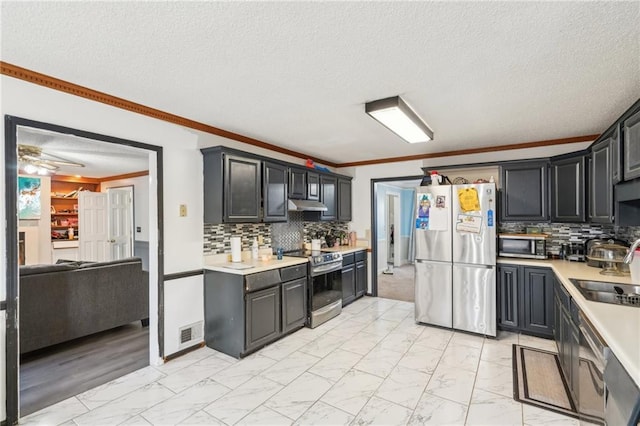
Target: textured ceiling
297	74
100	159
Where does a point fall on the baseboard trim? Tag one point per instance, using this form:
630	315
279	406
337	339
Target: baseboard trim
183	352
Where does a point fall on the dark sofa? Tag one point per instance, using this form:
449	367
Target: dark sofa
74	299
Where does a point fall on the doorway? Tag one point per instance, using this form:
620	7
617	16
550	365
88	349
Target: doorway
392	225
154	342
392	244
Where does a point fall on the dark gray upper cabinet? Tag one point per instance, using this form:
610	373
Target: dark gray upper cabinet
631	134
242	189
600	182
329	196
344	200
297	184
525	193
567	189
313	186
232	187
274	192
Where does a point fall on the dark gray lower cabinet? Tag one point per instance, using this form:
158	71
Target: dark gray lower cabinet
354	276
525	300
567	336
508	289
537	301
262	310
361	273
294	303
348	284
243	313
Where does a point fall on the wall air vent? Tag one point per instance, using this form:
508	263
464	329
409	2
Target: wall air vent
190	335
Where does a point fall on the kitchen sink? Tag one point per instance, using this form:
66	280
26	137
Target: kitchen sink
606	292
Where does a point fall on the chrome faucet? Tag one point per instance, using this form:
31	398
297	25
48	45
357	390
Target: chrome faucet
629	257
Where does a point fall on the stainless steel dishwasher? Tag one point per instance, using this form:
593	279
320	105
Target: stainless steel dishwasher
622	406
592	391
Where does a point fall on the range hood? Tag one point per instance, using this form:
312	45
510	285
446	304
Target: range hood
306	206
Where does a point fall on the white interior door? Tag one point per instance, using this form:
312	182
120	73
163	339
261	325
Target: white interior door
93	226
120	222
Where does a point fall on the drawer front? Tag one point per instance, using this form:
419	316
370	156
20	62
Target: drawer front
291	273
348	259
562	294
254	282
361	255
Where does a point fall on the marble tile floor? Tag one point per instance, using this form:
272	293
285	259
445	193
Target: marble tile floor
370	365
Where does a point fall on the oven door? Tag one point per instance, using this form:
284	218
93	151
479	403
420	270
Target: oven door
325	289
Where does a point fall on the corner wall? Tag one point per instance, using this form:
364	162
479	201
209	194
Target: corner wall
182	176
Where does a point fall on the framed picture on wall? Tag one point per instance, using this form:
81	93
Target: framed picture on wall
29	198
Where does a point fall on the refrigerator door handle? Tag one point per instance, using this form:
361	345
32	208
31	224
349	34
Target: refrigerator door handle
476	265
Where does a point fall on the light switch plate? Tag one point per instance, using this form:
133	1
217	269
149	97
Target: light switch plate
183	210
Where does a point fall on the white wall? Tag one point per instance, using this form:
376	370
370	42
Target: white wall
362	175
140	202
182	179
209	140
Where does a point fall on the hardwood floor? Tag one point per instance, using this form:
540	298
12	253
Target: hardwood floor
54	374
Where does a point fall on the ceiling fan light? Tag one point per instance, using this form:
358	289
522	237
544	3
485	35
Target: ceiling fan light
30	169
42	171
397	116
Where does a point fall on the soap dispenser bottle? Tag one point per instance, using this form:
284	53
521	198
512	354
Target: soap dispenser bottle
254	249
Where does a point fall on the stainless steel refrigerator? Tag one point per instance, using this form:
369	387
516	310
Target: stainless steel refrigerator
455	248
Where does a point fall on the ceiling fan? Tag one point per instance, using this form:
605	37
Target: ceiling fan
32	159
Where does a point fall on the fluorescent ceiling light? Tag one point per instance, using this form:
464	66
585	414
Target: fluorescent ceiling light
397	116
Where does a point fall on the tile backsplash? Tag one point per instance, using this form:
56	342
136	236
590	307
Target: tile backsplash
573	232
289	235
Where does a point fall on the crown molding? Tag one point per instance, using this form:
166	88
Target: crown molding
495	148
40	79
34	77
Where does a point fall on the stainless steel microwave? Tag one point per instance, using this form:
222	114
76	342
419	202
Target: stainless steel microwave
528	246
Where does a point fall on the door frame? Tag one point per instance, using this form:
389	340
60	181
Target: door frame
393	199
374	221
11	124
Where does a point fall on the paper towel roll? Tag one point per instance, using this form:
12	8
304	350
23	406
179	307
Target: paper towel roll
236	249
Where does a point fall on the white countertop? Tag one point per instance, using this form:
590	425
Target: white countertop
345	249
618	325
215	264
